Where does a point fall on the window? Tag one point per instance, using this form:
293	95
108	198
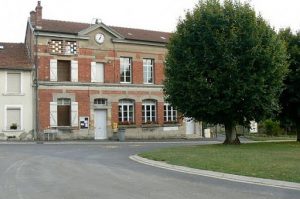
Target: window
148	70
63	112
149	111
100	101
126	111
97	72
13	118
63	70
170	114
13	84
125	69
62	47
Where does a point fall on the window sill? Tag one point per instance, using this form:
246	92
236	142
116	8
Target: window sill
12	130
149	125
128	126
64	127
171	124
13	94
125	82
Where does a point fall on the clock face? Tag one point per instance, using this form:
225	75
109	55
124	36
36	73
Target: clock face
99	38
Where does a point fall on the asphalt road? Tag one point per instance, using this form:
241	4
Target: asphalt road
103	170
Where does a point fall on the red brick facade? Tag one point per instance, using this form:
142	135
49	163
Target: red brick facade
81	90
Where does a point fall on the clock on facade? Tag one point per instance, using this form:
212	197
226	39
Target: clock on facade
99	37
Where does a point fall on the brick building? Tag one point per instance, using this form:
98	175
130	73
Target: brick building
90	76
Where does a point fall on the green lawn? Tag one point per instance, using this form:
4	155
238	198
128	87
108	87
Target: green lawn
279	161
263	137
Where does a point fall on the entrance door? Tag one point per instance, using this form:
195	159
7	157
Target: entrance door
100	125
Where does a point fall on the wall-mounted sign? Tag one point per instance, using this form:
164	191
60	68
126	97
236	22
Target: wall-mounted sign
84	122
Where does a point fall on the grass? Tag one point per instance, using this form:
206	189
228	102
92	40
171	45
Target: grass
263	137
280	161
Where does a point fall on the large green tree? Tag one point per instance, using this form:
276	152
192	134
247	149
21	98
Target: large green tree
290	97
225	65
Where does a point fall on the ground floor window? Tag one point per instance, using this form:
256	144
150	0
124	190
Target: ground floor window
170	114
126	111
63	112
13	118
149	111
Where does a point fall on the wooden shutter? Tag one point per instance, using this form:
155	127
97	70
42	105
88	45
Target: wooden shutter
74	71
53	114
100	72
53	69
74	114
93	72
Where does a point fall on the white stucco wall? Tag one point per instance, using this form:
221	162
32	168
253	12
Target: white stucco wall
23	100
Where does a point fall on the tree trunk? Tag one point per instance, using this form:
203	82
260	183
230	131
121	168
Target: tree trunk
298	134
231	136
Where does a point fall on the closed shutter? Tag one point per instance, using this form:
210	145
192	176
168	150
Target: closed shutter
93	72
53	70
100	72
74	114
53	114
74	71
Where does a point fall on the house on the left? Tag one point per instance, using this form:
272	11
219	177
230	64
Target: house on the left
16	92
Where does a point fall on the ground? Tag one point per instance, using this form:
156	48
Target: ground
103	170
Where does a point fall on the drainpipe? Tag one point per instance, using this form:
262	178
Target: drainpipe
36	85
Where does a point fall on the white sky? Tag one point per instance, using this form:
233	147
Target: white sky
159	15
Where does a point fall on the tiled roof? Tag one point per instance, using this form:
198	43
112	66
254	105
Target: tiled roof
127	33
14	56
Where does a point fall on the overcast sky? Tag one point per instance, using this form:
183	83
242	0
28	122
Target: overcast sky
159	15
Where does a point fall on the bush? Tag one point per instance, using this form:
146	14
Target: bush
272	128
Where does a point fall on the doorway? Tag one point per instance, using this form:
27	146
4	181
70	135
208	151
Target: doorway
100	124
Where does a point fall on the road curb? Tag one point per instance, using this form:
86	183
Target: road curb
219	175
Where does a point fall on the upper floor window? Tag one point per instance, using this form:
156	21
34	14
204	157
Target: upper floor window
148	70
63	47
170	114
125	69
63	70
13	84
149	111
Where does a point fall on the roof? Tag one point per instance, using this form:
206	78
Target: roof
14	56
128	33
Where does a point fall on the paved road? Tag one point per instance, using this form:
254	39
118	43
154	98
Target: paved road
103	170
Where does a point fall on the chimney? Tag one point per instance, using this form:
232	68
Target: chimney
38	14
32	18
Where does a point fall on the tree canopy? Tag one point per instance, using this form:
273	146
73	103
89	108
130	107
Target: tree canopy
225	65
290	97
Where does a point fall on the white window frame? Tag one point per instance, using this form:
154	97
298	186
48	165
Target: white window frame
150	103
6	83
7	107
166	113
127	103
146	67
122	66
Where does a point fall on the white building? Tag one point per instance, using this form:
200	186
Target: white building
16	93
